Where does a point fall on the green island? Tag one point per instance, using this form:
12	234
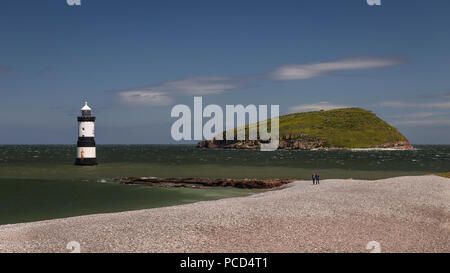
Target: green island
348	128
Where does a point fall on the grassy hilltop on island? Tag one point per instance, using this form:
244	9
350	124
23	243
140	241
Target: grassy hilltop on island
333	129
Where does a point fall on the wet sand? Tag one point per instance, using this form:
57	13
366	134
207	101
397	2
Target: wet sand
404	214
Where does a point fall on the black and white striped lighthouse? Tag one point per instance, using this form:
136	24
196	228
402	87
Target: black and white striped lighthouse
86	153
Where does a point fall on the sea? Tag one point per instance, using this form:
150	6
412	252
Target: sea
40	182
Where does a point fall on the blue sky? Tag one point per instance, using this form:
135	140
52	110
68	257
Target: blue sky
133	60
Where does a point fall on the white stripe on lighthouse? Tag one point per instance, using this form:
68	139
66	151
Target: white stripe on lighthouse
86	152
86	129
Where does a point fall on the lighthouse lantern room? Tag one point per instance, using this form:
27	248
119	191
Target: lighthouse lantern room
86	153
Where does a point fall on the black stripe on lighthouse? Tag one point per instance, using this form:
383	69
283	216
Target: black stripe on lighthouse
86	161
84	118
86	142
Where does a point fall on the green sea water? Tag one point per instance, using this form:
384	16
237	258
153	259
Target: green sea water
39	182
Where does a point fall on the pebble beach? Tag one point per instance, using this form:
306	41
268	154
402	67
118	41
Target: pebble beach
403	214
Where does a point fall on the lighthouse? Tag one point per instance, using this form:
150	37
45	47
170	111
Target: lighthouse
86	154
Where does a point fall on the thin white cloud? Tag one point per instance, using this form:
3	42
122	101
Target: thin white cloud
307	71
316	107
414	122
445	95
421	118
145	97
403	104
166	92
202	85
413	115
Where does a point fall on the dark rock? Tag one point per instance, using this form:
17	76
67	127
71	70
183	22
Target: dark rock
206	182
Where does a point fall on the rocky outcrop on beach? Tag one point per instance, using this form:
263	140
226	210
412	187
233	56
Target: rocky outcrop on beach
205	182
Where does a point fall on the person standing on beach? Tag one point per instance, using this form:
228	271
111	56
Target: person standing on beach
317	179
313	178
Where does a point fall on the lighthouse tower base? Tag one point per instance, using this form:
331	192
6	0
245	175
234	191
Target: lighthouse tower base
86	161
